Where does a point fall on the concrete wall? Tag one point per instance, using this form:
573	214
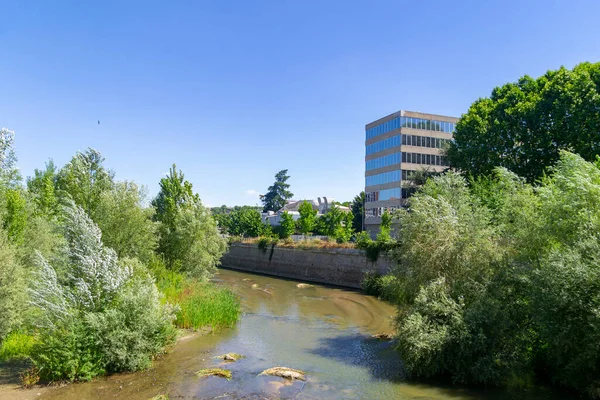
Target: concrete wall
343	267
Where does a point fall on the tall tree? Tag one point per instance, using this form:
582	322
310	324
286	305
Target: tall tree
358	211
278	193
308	218
188	235
287	226
127	225
84	179
9	173
523	126
42	187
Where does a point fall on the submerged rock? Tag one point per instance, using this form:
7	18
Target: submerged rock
285	372
304	285
255	286
382	336
160	397
230	357
220	372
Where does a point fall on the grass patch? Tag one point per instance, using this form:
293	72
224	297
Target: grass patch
200	304
16	346
220	372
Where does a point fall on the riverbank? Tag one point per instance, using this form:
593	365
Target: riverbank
338	266
324	331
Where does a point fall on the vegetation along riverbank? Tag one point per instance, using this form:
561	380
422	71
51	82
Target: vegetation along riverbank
95	280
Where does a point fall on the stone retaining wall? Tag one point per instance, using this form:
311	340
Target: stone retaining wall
342	267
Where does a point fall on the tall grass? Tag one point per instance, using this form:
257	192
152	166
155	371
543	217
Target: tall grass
201	304
16	346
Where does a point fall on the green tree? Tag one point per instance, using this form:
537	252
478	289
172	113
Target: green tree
126	225
12	287
287	225
42	188
345	229
358	211
331	221
84	179
523	126
245	221
308	218
15	220
9	173
188	235
277	194
194	246
175	192
385	228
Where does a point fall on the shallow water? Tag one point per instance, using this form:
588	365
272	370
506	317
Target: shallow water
322	330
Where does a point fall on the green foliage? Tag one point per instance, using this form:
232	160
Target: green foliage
343	232
16	346
193	245
246	221
42	187
9	173
15	220
308	218
127	226
12	288
135	327
287	225
523	126
371	247
97	314
199	305
278	193
189	239
84	179
383	286
68	352
385	228
499	281
175	193
358	211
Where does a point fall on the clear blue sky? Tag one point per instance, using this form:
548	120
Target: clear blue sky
234	91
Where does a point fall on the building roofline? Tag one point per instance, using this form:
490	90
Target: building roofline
414	114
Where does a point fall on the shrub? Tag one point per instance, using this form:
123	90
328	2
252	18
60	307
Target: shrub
12	287
98	316
16	346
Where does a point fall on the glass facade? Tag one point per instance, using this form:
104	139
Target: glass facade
428	159
378	211
380	179
386	194
384	161
409	122
424	141
384	144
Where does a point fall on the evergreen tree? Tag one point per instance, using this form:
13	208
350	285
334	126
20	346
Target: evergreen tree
277	194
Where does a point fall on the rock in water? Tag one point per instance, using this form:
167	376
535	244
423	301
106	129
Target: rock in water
230	357
382	336
285	372
304	285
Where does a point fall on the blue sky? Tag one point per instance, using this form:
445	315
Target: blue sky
234	91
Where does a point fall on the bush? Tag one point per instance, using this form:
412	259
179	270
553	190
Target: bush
68	352
98	315
12	288
16	346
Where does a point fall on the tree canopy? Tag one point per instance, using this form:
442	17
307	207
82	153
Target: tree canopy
524	125
278	193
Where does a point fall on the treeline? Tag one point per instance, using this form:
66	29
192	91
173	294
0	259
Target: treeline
92	277
498	281
246	221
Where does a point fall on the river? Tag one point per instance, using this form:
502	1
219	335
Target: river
322	330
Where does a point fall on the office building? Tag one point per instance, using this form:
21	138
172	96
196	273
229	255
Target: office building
396	147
